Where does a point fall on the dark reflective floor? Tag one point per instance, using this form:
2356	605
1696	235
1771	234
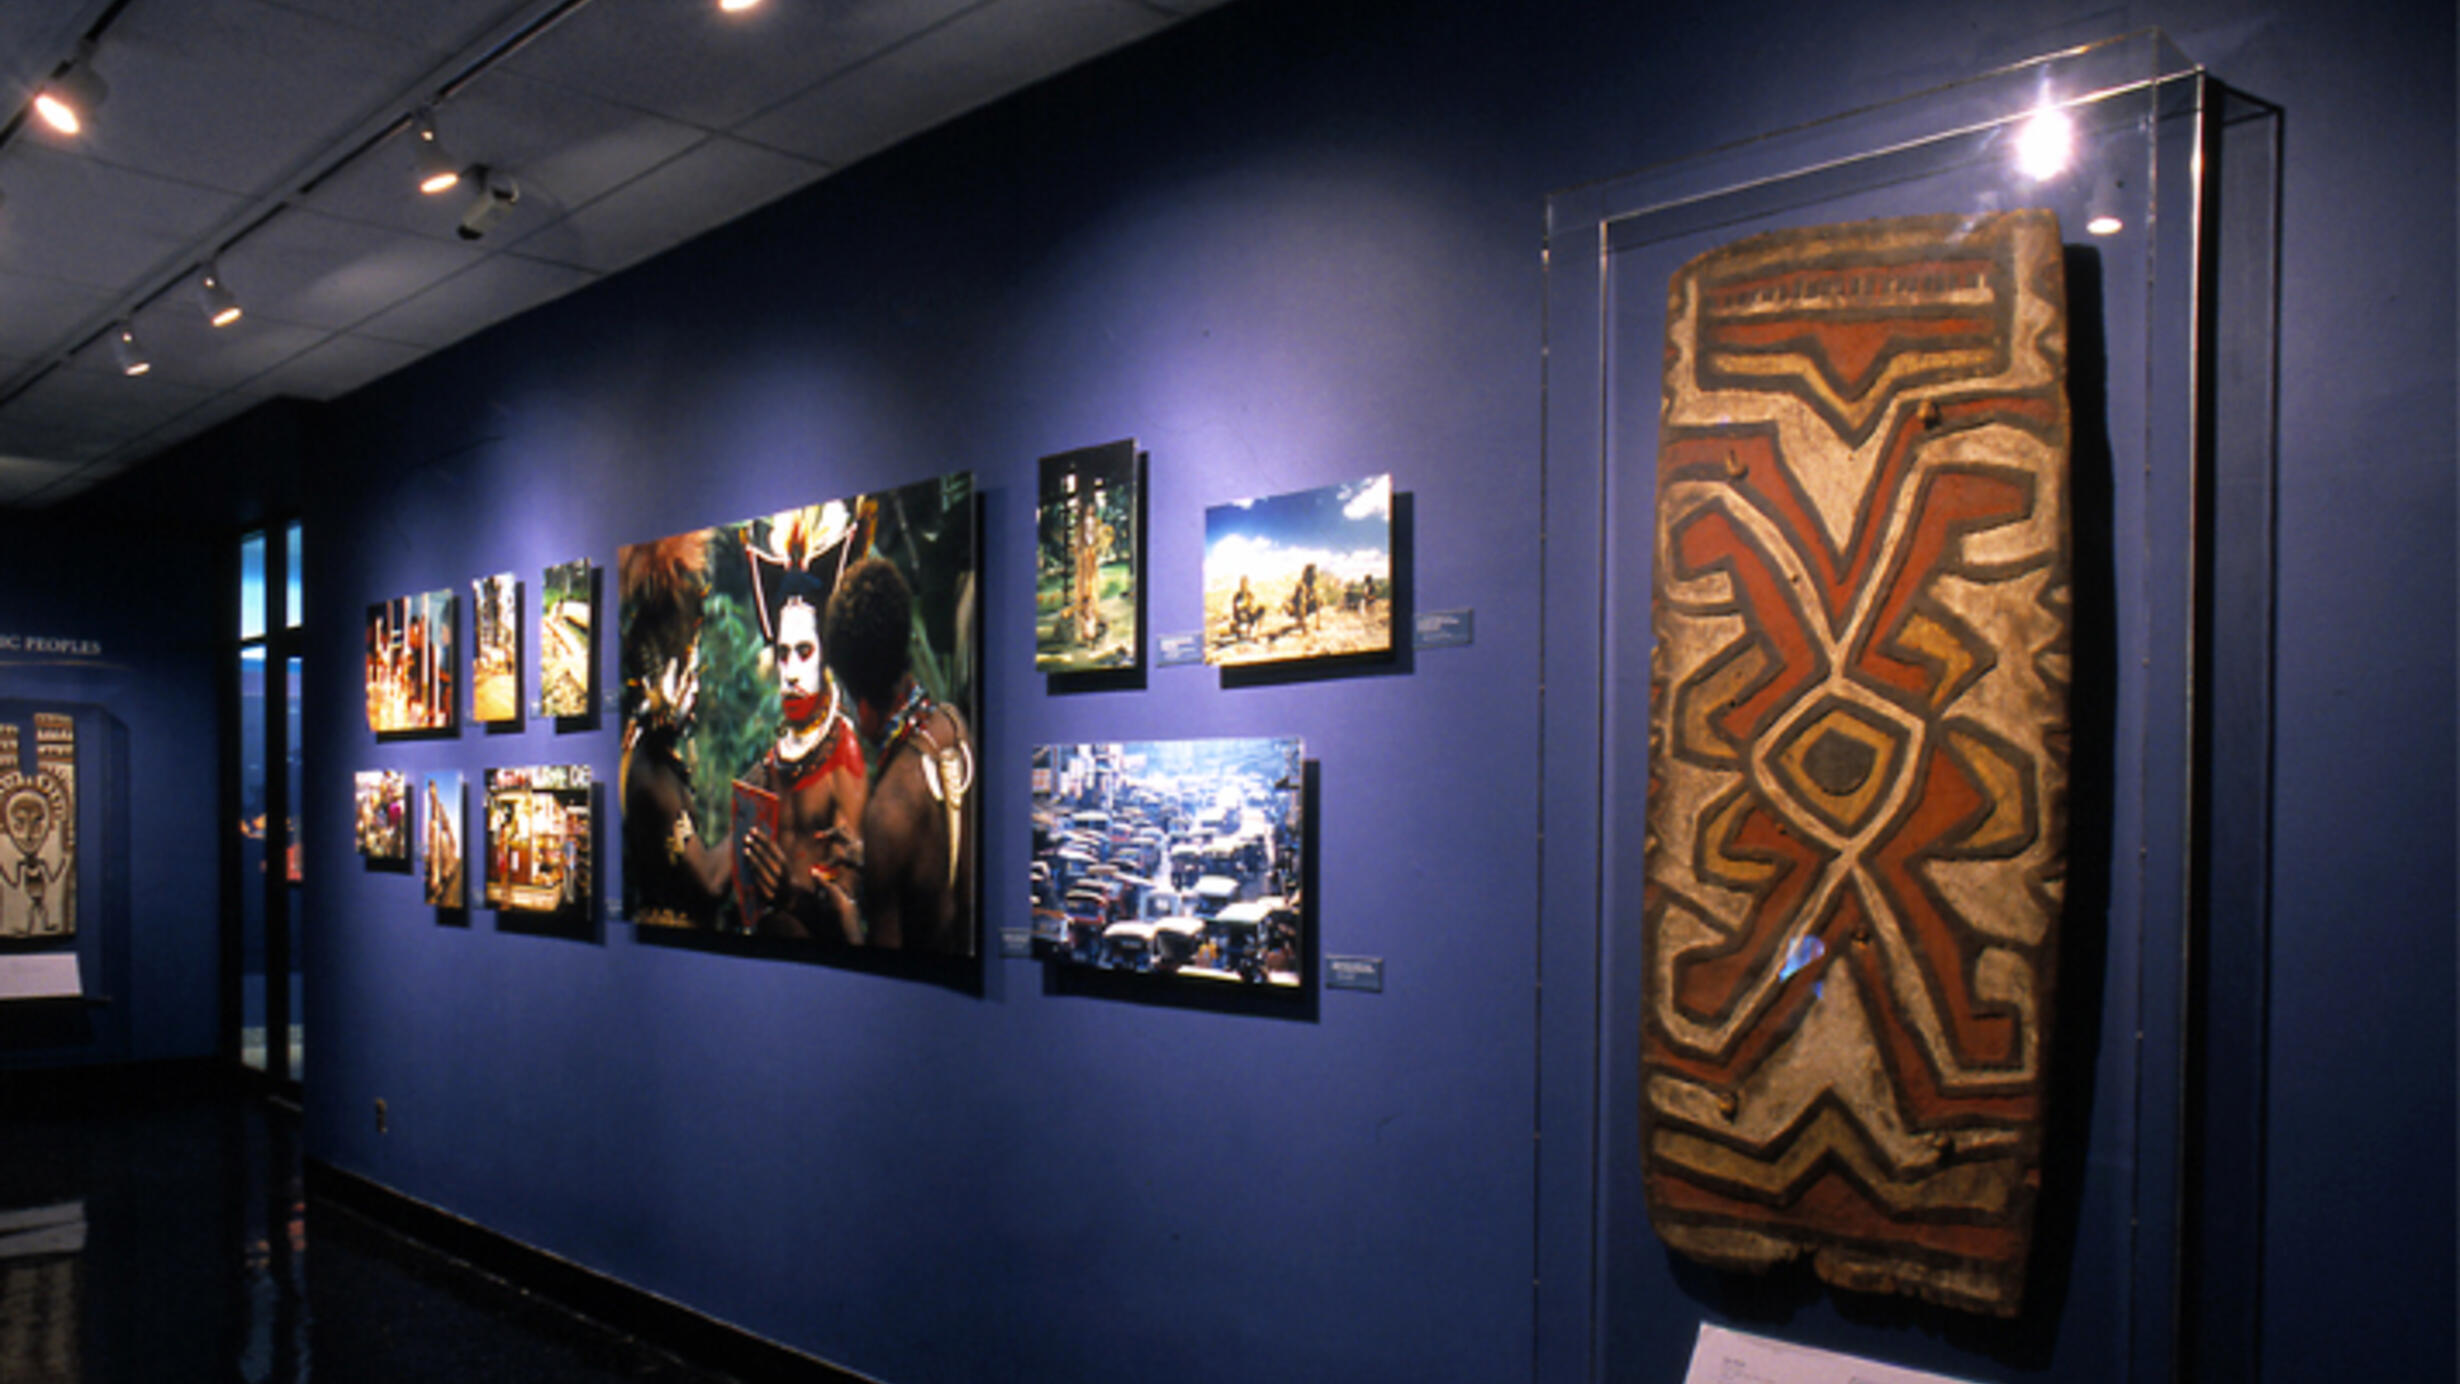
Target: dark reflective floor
200	1259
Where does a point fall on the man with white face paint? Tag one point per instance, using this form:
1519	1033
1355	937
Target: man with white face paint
815	772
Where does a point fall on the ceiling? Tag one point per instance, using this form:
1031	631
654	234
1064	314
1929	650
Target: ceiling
273	135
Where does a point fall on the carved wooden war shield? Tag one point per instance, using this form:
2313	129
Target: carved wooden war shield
1856	846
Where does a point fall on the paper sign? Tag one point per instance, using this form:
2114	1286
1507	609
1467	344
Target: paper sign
1734	1357
1178	650
40	976
1354	973
1445	629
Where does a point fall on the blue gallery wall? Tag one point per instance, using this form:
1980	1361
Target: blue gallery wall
1284	245
152	636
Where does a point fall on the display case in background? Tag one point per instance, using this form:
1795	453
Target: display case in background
64	885
2164	186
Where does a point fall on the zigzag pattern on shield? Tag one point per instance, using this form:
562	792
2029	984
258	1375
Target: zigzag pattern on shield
1858	752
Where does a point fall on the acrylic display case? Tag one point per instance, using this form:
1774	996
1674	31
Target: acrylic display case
2164	184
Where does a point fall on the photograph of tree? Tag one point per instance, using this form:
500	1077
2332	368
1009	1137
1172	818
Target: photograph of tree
567	625
1086	556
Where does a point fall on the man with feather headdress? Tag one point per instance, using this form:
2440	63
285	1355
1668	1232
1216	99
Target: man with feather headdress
796	808
673	877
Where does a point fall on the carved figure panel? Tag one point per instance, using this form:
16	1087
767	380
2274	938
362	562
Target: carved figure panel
1855	852
38	811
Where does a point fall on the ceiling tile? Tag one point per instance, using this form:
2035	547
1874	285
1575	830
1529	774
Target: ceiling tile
25	438
989	52
317	271
35	313
337	367
236	94
690	63
43	497
213	412
70	217
485	293
560	148
712	184
433	26
629	126
188	351
24	476
89	406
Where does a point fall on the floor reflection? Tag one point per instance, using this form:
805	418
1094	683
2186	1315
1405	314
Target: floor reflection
156	1229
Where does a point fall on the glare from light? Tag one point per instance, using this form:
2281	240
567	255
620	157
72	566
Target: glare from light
128	353
436	170
2104	224
67	100
58	114
2044	144
737	6
220	305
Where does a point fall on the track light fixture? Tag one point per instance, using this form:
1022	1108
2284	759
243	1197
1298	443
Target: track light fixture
68	100
128	351
436	169
489	201
214	297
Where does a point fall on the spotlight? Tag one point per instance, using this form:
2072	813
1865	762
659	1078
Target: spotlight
737	6
496	194
2045	143
2101	214
68	99
220	305
128	351
436	170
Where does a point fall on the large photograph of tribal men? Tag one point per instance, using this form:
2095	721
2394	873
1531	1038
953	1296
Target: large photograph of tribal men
443	863
798	744
567	622
495	649
1178	858
410	668
1298	576
383	802
1086	558
538	839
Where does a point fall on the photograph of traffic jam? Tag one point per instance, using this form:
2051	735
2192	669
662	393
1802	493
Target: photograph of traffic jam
1178	858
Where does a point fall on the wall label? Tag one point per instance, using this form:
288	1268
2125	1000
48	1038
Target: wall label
1445	629
1354	973
40	976
50	644
1179	650
1721	1356
1016	941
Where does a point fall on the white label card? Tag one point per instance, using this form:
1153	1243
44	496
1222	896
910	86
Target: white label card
40	976
1735	1357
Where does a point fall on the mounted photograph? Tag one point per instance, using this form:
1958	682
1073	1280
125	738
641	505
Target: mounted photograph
1303	575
